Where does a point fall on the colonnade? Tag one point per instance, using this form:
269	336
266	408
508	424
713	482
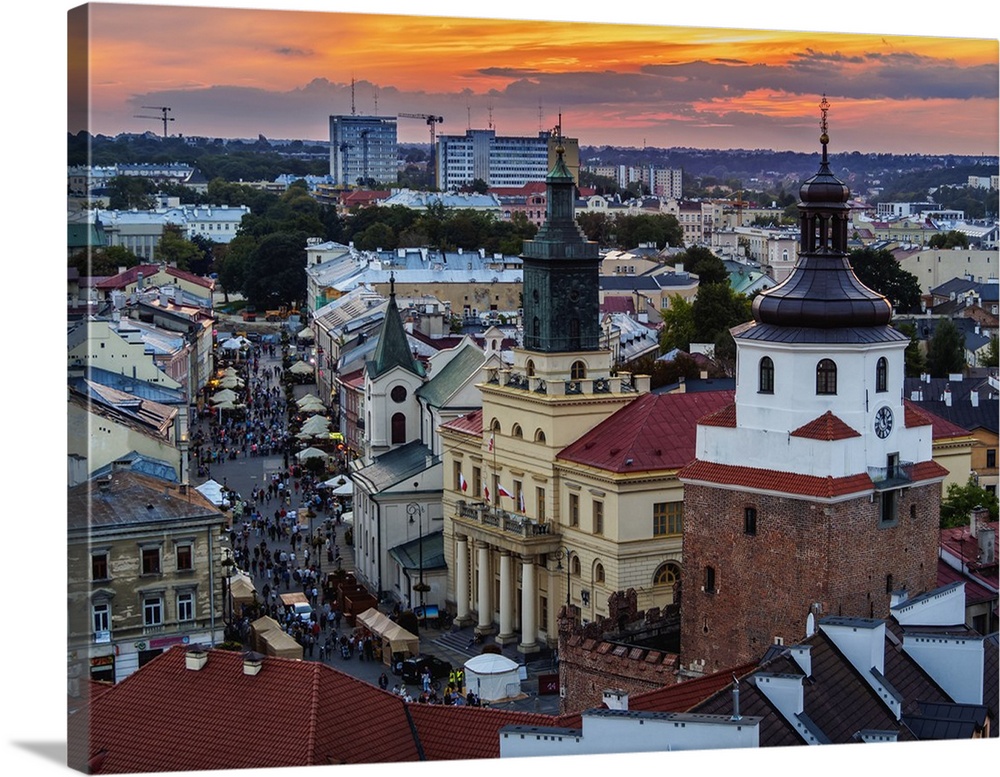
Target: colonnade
484	605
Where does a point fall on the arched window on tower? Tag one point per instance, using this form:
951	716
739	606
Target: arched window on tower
516	431
578	371
529	368
826	377
599	572
766	376
667	576
539	435
398	429
882	375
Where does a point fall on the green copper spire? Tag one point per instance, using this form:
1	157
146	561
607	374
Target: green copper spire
393	349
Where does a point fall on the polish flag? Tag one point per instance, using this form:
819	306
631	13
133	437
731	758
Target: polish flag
503	491
521	495
486	492
462	483
490	446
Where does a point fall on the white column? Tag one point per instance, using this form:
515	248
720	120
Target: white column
485	583
506	597
461	577
529	593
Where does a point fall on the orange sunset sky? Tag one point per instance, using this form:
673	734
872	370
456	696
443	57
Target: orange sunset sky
242	72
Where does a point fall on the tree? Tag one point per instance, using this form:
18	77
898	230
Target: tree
275	272
990	359
914	361
130	191
678	325
878	270
950	239
958	503
103	261
175	250
706	265
231	260
946	350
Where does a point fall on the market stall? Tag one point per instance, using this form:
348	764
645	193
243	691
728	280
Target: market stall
392	637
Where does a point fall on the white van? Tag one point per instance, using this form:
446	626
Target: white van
302	611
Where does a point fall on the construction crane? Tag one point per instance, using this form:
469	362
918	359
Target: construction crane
164	118
432	122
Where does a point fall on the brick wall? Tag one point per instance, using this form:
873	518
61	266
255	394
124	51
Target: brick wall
594	658
805	556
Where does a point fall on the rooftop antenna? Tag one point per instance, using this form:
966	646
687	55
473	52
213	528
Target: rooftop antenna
539	115
489	110
164	118
352	95
375	90
468	114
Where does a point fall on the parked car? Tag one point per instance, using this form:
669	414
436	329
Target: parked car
302	611
413	668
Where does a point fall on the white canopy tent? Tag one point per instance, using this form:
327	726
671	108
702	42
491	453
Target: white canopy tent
300	368
493	677
213	492
226	395
307	399
316	424
235	343
305	334
340	486
311	453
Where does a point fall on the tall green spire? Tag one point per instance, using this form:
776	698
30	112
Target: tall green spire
393	349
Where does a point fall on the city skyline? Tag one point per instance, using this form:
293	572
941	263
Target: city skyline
228	72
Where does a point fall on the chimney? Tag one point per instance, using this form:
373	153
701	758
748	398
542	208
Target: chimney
615	699
974	397
947	396
195	657
736	699
138	282
252	663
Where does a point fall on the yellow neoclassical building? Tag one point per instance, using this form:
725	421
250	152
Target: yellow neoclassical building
561	488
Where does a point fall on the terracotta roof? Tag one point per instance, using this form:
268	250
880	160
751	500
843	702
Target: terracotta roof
166	717
190	277
826	427
467	732
725	417
685	695
959	543
654	432
913	415
470	423
927	470
131	275
772	480
974	592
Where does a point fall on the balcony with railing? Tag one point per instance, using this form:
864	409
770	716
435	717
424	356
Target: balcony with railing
622	383
502	527
895	475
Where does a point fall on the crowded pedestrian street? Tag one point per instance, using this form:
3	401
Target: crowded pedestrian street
286	531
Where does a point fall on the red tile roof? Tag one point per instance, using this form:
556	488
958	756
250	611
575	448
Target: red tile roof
131	275
166	717
919	416
779	482
654	432
190	277
467	732
826	427
726	417
470	423
974	592
685	695
957	541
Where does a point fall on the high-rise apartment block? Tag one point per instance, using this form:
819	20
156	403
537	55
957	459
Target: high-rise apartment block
363	148
500	160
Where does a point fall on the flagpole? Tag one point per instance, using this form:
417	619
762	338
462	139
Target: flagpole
496	480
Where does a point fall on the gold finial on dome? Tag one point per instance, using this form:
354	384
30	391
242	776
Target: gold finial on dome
824	106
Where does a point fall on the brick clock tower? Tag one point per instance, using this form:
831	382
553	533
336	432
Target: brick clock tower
815	493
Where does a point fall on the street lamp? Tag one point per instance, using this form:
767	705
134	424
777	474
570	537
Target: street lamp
415	509
564	551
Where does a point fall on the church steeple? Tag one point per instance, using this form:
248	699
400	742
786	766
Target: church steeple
393	349
823	292
561	269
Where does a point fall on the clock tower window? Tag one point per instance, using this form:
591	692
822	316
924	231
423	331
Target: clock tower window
826	377
882	375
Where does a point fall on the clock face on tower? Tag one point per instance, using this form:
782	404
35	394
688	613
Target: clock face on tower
883	422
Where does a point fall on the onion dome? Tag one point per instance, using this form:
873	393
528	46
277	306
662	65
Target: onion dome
823	292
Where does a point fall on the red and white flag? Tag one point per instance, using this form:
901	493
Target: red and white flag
486	492
462	484
501	491
521	500
490	446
